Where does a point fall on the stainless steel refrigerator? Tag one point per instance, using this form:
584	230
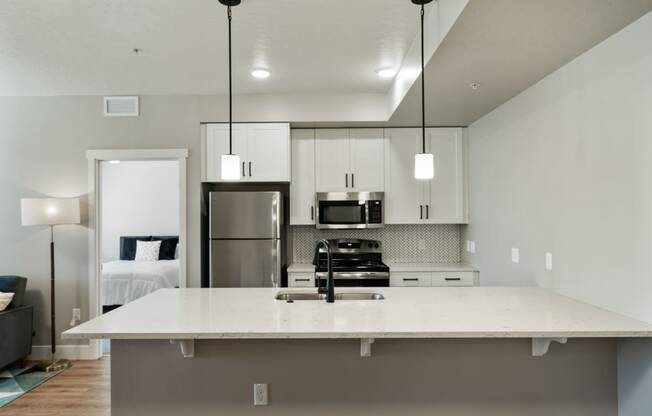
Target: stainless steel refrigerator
245	239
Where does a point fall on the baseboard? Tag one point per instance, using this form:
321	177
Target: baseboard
69	352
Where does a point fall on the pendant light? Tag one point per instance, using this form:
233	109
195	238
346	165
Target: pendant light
424	163
230	162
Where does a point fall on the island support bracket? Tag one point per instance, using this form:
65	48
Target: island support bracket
540	346
365	347
187	347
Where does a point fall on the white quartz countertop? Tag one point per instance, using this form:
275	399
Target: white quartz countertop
301	268
424	312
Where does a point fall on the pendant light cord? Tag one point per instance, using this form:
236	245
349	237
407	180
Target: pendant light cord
230	89
423	88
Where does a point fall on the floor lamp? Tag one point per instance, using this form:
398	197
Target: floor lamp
51	211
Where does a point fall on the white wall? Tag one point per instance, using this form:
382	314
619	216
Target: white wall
137	198
566	167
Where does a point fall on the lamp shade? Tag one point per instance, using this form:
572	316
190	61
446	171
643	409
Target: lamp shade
49	211
424	166
230	167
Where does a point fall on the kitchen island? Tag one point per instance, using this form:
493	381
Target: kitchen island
418	351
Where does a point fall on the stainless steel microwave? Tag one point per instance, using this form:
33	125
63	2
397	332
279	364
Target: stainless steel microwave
343	210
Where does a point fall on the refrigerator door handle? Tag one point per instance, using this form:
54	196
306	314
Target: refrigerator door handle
276	258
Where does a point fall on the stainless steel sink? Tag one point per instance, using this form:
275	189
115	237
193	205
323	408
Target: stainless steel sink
292	296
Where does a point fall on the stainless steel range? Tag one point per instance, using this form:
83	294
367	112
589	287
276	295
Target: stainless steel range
355	263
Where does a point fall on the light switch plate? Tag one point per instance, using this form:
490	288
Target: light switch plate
515	255
549	262
472	246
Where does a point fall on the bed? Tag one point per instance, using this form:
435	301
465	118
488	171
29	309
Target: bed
126	279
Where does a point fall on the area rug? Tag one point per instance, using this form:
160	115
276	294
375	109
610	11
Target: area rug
16	381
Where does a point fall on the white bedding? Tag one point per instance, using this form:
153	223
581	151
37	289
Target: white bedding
126	281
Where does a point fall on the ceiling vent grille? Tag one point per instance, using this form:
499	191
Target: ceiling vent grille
121	106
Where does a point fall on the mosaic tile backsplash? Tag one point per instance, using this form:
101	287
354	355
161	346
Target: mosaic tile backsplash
401	242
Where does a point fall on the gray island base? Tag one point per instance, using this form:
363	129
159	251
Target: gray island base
329	377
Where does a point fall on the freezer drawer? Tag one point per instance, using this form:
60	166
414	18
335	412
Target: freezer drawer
245	263
245	215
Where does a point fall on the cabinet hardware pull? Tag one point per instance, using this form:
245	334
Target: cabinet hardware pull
427	211
302	280
353	180
249	168
243	169
410	279
312	212
453	279
346	180
421	212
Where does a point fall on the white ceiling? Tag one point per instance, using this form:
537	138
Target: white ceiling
84	47
313	48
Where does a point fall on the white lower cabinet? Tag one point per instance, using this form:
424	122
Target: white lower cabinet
410	279
301	280
433	279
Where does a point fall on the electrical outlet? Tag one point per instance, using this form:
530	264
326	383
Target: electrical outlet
515	255
549	262
472	247
422	245
260	395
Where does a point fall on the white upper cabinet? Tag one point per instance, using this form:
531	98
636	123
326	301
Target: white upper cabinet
404	195
445	193
367	160
349	160
332	160
264	150
302	188
441	200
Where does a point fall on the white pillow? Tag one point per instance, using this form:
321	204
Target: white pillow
5	300
147	250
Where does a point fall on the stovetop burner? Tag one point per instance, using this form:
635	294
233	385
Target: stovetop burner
353	256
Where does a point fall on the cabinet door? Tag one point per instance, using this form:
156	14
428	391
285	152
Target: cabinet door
302	188
332	160
217	144
268	152
410	279
453	278
367	160
445	194
403	193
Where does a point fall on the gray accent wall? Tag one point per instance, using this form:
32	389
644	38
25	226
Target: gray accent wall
43	141
566	168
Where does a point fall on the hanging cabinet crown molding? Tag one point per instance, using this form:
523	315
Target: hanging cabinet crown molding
264	150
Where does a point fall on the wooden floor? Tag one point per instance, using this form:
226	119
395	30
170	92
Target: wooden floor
83	390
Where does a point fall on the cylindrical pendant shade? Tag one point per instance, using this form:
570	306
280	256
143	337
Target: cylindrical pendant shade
230	167
424	166
49	211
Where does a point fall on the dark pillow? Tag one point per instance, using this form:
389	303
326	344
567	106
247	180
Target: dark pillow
128	246
168	247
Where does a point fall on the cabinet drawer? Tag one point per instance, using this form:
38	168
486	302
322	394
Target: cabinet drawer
453	279
301	280
410	279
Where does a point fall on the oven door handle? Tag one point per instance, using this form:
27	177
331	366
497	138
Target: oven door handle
354	275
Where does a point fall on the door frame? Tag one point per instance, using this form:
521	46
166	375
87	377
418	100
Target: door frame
95	157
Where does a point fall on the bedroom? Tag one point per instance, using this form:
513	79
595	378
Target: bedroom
139	229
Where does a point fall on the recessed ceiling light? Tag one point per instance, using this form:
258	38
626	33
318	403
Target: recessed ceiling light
114	162
386	72
474	85
260	73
